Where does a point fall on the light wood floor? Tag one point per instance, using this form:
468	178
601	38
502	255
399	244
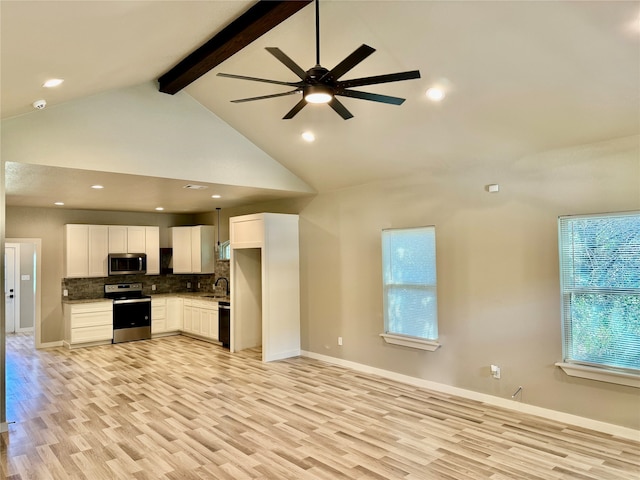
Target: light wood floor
176	408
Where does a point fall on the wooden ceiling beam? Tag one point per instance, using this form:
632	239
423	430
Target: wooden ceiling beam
249	26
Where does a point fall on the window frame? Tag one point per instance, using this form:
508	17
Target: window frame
224	251
396	338
576	367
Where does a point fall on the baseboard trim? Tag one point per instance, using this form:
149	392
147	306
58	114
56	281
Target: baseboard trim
282	355
51	344
583	422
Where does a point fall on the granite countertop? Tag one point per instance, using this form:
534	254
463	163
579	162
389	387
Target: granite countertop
198	295
84	300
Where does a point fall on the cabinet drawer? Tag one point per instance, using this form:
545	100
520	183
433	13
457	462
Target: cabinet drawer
205	304
158	326
91	319
92	307
158	312
91	334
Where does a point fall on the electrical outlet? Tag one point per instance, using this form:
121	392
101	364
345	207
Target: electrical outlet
65	293
188	284
495	371
340	341
153	287
198	284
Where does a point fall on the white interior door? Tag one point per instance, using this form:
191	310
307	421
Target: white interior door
11	288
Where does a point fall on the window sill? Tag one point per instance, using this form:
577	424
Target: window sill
412	342
600	374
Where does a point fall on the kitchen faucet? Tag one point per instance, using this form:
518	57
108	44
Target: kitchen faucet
226	280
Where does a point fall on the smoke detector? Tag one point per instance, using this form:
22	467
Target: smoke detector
39	104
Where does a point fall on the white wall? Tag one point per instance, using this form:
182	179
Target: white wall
140	131
498	280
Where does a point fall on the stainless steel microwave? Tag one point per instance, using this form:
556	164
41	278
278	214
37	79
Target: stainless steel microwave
127	263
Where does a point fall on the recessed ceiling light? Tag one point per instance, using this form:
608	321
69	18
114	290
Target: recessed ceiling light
59	203
52	82
97	187
308	136
159	209
435	94
216	196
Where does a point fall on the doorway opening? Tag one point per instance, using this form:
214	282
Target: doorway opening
246	314
22	278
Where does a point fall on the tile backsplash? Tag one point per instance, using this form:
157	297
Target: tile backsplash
88	288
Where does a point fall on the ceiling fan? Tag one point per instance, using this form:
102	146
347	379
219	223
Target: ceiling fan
320	85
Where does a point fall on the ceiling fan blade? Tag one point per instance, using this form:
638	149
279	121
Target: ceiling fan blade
262	97
391	77
254	79
293	66
340	109
374	97
351	61
293	112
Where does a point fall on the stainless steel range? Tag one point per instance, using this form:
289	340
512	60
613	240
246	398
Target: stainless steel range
131	312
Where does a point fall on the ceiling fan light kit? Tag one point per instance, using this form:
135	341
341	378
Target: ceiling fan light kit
319	85
317	94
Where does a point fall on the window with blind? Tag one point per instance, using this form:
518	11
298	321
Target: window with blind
409	286
600	287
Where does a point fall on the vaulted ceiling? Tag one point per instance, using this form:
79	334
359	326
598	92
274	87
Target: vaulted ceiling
520	78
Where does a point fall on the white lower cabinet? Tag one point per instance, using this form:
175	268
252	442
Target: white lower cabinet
175	307
201	318
166	315
158	315
88	323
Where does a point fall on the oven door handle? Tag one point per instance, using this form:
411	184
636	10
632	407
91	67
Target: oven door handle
132	300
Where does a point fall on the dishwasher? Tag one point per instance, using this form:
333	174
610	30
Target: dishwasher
224	323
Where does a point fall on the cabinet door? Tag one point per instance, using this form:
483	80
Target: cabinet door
247	231
136	239
205	322
117	239
152	249
188	319
175	314
213	319
181	237
204	260
196	257
76	251
196	320
98	250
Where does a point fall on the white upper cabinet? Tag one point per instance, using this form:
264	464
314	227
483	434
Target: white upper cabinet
88	246
193	249
98	250
152	249
118	239
136	240
123	239
247	231
86	249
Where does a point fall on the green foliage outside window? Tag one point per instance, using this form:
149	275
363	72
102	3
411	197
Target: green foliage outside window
600	274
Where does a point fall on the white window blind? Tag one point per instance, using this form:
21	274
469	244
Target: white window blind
409	282
600	287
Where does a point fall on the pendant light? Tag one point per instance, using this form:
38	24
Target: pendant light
218	230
